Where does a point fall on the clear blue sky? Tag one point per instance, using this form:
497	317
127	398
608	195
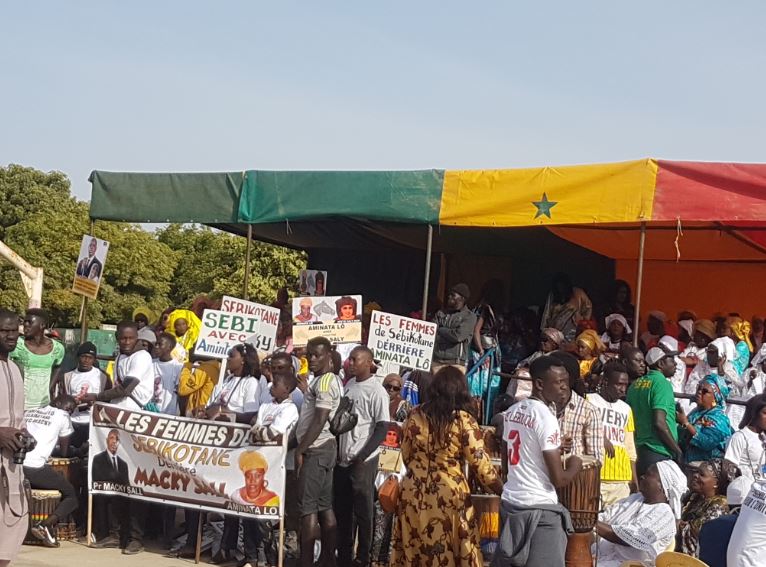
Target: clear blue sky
212	86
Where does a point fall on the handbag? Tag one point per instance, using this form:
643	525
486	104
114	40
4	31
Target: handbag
344	419
388	494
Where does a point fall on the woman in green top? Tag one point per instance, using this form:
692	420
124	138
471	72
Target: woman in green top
39	358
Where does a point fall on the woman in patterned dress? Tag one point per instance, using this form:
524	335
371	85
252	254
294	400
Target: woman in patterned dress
707	502
435	522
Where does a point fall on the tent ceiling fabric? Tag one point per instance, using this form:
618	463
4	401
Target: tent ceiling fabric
667	241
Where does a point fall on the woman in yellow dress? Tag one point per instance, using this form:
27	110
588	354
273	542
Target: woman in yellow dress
435	521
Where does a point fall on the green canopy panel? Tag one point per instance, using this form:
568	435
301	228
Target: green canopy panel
398	196
205	198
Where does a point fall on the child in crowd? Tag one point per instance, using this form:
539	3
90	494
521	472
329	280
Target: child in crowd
275	420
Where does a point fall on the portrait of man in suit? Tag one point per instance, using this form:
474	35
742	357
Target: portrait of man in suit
90	266
107	466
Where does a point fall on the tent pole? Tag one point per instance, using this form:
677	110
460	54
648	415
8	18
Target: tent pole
245	294
639	282
427	278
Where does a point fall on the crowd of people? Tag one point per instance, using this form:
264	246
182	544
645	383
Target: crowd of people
676	425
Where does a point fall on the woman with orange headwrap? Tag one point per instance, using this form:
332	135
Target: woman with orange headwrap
589	348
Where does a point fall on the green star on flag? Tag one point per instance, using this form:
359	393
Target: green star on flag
544	206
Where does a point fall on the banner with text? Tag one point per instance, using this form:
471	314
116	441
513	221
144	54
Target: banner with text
208	465
402	340
238	321
90	266
339	319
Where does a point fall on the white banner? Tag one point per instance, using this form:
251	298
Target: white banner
339	319
402	340
237	322
207	465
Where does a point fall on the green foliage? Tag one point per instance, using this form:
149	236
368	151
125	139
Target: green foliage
212	262
43	223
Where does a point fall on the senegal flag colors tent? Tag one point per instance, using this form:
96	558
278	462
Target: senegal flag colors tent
710	216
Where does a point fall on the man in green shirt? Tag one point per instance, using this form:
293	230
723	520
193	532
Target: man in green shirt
654	411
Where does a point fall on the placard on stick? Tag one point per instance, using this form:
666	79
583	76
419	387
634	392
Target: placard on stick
90	266
402	340
237	322
339	319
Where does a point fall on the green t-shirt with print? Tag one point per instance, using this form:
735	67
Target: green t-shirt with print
649	393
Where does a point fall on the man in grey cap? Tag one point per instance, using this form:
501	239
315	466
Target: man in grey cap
455	330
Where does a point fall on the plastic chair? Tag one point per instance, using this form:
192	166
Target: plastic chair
674	559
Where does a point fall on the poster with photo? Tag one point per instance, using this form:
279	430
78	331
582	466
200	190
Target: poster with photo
312	283
205	465
337	318
90	266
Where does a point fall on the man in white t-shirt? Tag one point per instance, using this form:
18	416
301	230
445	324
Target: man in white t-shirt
618	471
85	379
50	425
133	372
168	373
532	440
354	475
133	389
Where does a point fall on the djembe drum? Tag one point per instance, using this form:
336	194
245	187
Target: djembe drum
42	504
487	506
74	471
582	498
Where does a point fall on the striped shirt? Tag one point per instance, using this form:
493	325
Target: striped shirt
581	422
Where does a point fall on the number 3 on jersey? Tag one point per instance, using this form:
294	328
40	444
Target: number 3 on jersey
514	443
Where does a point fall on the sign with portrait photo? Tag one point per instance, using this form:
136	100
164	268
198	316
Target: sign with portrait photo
90	266
205	465
312	282
339	319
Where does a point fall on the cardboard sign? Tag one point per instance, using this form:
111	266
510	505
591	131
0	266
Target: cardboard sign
312	283
242	322
390	456
185	462
339	319
90	266
402	340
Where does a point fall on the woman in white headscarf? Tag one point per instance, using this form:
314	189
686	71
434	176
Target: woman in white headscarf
643	525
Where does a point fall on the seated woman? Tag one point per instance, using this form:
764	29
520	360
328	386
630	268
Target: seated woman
704	433
521	388
708	501
643	525
589	348
616	335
